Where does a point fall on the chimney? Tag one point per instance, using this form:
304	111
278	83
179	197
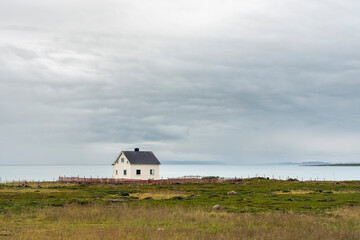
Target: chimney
136	149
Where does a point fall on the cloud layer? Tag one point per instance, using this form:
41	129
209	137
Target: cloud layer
232	81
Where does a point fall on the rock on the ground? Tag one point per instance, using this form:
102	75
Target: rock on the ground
232	193
217	207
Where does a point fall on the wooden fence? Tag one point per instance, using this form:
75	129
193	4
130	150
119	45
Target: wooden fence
134	181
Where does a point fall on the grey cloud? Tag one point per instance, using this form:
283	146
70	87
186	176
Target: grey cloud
263	80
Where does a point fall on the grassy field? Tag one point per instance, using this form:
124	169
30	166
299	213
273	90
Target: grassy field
262	209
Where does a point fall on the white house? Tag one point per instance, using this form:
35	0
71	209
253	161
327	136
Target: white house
136	165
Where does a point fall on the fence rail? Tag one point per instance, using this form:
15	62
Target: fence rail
135	181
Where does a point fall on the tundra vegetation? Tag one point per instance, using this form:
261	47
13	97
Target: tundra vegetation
251	209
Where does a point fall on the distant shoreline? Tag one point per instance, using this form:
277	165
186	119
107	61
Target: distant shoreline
334	165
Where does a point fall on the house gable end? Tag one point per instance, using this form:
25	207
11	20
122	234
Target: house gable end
117	159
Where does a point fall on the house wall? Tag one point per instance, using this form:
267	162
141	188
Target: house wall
131	170
120	167
145	171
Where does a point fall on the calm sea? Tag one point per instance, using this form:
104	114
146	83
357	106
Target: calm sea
52	172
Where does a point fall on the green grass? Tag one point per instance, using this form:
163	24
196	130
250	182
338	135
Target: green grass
96	221
254	195
262	209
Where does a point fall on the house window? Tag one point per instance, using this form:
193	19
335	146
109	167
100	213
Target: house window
127	162
138	172
125	172
116	172
152	171
122	159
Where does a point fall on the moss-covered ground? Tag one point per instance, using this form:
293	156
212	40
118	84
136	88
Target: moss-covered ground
262	209
254	195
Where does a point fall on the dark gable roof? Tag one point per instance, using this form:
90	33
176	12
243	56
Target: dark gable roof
141	157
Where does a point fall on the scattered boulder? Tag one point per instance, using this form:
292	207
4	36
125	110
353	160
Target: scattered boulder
327	200
113	200
177	198
160	229
258	178
232	193
306	207
217	207
24	185
292	179
57	205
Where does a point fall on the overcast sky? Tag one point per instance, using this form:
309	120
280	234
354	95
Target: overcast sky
251	81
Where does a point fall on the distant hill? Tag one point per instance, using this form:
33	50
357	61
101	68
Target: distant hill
314	163
330	164
288	163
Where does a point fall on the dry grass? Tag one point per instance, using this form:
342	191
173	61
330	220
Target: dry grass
294	192
158	195
346	191
29	190
35	184
130	222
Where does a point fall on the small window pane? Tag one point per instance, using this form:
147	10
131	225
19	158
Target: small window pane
122	159
125	172
152	171
138	171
